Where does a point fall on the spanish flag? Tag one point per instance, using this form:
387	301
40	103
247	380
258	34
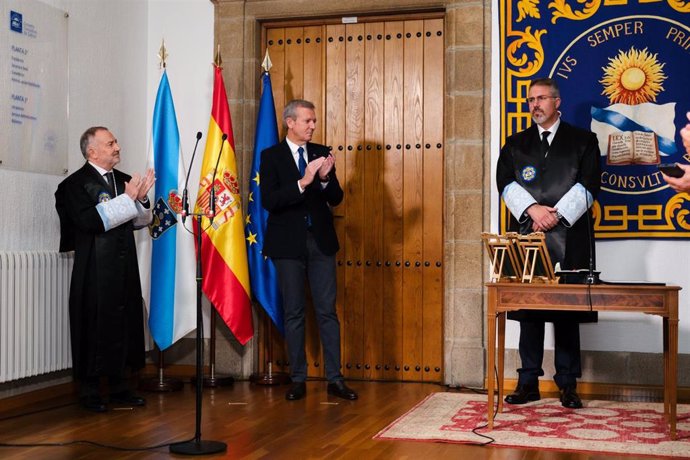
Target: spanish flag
223	251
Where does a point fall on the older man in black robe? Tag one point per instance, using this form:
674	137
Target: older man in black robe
548	175
99	208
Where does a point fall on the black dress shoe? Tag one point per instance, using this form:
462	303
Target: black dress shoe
339	389
524	394
570	398
127	398
298	390
93	404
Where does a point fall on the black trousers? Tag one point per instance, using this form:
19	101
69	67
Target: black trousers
319	269
566	357
90	386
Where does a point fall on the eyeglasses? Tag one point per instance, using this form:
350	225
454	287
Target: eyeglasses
532	100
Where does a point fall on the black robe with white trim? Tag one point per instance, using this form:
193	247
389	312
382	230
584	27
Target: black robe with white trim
573	157
105	302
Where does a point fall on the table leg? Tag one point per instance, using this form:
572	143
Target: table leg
672	373
667	367
501	318
490	355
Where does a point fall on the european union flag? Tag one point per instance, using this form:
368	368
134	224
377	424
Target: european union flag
262	272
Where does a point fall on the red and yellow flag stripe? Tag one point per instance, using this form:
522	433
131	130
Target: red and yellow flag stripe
224	254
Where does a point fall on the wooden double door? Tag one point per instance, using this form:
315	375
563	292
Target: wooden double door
378	88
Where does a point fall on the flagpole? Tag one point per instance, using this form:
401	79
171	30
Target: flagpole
164	118
264	279
268	377
214	380
161	383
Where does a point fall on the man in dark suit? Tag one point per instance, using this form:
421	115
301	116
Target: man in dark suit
99	208
298	187
548	176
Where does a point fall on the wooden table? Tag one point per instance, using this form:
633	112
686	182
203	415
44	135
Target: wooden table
652	300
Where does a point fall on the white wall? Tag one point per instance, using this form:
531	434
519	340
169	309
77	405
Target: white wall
107	86
186	26
113	79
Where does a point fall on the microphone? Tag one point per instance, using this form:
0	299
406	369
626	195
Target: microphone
185	201
591	278
212	207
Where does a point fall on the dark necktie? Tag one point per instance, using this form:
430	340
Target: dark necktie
302	164
544	143
110	177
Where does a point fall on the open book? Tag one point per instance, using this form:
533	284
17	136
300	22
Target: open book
632	147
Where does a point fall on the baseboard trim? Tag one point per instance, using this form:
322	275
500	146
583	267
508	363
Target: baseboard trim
29	398
69	389
181	371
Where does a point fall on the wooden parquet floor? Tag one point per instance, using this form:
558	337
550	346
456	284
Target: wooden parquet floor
256	423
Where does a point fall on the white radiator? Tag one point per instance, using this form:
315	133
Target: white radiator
34	313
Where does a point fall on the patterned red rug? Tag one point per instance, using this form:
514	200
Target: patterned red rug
601	426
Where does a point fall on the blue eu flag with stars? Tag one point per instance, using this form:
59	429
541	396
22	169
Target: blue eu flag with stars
262	272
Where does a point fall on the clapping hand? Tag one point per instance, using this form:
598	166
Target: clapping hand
310	172
326	167
138	187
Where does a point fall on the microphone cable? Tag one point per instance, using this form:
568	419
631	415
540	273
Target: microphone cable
590	278
76	441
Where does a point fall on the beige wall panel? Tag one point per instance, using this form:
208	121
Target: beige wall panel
313	76
334	128
379	95
413	69
294	64
433	201
276	50
373	190
335	106
353	309
393	196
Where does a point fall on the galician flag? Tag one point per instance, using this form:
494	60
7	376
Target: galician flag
224	254
262	271
170	317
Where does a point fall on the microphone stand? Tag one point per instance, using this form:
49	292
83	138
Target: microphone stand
214	380
591	278
197	446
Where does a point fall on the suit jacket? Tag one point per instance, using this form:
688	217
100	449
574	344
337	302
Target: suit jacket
573	157
286	228
106	309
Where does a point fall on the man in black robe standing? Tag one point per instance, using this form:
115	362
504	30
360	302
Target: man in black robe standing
548	176
99	209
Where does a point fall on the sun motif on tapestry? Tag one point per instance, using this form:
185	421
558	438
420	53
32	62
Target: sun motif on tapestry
633	77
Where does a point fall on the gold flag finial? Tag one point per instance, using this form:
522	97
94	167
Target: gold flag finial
162	55
266	64
218	61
